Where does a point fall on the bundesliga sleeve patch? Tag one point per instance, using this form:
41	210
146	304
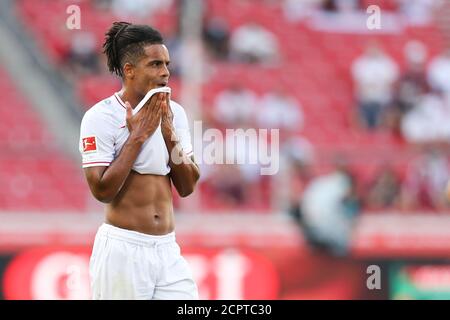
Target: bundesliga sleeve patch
89	144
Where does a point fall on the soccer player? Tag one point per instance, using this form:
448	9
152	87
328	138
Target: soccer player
128	160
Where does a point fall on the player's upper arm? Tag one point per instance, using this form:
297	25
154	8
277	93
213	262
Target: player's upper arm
97	138
96	146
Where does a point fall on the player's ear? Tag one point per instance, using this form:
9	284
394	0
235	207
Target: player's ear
128	71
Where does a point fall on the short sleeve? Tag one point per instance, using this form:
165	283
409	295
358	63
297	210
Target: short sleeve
96	143
182	128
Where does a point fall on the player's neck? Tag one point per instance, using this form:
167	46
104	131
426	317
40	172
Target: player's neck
130	96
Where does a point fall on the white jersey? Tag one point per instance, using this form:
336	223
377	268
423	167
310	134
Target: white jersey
104	132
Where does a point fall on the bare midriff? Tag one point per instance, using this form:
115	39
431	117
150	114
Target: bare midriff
144	204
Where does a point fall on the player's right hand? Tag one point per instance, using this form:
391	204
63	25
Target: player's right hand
143	124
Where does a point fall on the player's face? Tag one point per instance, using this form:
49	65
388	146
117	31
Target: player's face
151	71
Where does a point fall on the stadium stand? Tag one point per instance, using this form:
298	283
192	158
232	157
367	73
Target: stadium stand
35	175
315	67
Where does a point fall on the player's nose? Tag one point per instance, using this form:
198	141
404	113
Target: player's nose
165	73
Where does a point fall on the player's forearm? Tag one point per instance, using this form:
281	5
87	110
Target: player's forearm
184	178
184	172
115	175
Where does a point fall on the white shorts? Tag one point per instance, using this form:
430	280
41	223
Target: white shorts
130	265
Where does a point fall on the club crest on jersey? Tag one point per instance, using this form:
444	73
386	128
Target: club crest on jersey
90	144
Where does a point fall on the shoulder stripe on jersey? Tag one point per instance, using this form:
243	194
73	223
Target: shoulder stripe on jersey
119	100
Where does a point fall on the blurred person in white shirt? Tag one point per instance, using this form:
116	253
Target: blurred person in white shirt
253	43
82	57
439	72
235	106
329	207
374	74
427	122
278	110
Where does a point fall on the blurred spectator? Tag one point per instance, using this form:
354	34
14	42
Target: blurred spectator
410	86
374	74
253	43
226	172
82	57
235	106
426	180
278	110
413	82
384	191
216	36
439	72
330	205
237	182
242	149
427	122
227	185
